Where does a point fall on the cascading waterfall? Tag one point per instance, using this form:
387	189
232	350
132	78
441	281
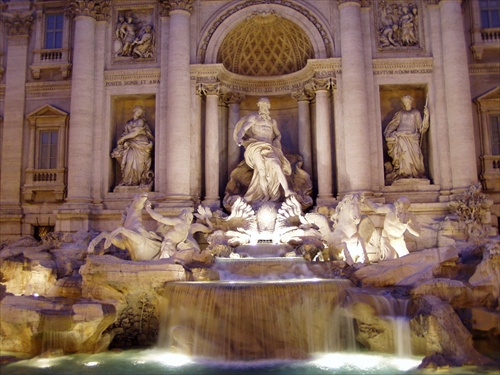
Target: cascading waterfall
253	320
57	333
391	311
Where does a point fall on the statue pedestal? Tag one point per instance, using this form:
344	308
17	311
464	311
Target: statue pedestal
132	189
411	182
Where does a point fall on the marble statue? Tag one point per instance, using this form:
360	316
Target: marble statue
259	133
403	135
134	151
142	47
397	221
132	235
341	234
176	231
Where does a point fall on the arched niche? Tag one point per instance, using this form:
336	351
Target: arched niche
221	24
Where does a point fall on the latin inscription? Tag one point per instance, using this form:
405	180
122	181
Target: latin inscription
133	82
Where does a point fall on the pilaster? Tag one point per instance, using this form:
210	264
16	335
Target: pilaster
18	24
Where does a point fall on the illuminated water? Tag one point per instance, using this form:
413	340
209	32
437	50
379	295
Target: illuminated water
155	361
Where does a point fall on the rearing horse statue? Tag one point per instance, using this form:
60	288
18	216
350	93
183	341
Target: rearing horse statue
132	236
346	219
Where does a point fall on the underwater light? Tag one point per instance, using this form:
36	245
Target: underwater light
91	364
363	361
166	358
405	364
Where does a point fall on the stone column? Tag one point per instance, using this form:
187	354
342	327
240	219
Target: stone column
355	101
74	215
211	92
438	128
458	97
177	147
303	98
324	169
233	151
82	102
18	25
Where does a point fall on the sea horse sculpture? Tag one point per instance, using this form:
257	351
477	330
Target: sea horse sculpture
132	236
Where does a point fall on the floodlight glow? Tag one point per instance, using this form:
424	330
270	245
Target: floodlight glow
167	359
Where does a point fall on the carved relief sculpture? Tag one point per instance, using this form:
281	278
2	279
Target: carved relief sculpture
134	37
398	24
403	135
134	151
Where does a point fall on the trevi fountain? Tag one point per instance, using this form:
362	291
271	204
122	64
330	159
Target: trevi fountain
267	284
249	187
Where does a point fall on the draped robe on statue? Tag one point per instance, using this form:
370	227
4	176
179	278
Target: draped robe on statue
402	135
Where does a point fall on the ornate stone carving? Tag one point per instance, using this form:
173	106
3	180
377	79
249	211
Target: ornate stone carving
404	141
398	25
304	94
238	7
170	5
342	2
265	44
323	84
233	97
18	24
208	88
98	9
133	151
432	2
134	37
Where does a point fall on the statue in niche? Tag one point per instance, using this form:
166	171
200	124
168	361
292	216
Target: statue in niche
265	174
134	151
403	136
397	221
142	47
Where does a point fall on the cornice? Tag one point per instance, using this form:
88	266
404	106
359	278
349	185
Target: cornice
488	68
275	85
48	89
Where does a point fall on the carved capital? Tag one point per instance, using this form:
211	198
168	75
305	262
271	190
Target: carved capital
19	23
343	2
323	84
230	97
98	9
208	88
432	2
304	94
170	5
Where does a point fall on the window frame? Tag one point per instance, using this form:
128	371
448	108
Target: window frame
56	30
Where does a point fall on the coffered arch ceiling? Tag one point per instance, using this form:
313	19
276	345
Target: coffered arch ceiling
265	44
253	38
